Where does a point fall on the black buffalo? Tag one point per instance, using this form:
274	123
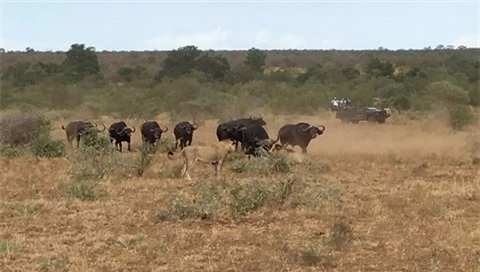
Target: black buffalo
256	141
152	132
120	132
233	129
299	134
228	131
76	129
184	132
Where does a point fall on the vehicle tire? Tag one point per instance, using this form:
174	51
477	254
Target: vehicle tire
371	119
355	122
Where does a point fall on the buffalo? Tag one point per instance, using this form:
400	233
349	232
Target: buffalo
120	132
232	129
152	132
299	134
184	133
227	131
256	141
76	129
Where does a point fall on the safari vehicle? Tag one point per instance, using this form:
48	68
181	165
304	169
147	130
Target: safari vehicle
369	114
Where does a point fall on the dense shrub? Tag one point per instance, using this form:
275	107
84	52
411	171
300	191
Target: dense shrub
25	130
42	145
17	129
461	116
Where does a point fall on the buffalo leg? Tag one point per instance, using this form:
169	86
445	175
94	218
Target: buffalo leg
70	140
236	145
304	149
129	147
120	146
78	141
182	144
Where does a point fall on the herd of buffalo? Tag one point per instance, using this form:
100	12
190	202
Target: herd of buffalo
249	132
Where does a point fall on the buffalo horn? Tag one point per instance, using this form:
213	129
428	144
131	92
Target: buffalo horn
307	128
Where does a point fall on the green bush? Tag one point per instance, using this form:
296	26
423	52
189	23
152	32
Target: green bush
84	191
94	159
9	151
42	145
22	130
273	163
460	116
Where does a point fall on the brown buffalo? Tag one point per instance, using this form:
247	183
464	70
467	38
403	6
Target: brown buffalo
77	128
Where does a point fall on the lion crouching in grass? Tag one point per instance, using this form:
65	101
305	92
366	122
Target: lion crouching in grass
214	154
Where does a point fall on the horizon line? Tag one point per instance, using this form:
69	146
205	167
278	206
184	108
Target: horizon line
380	48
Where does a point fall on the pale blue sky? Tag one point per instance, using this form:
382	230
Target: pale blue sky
130	25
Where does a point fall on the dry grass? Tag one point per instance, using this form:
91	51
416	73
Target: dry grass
368	198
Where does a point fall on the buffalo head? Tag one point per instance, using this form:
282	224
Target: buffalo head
189	128
158	131
313	130
258	120
125	131
267	143
232	129
89	127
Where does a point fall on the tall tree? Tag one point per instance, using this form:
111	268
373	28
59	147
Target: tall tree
179	62
81	62
255	59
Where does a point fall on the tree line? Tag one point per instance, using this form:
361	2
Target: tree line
189	80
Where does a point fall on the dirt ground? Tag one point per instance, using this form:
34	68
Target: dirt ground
402	196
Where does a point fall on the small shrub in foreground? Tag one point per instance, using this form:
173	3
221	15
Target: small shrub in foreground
8	246
273	163
93	160
145	160
9	151
84	191
313	257
342	234
238	197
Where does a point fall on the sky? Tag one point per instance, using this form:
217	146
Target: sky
238	25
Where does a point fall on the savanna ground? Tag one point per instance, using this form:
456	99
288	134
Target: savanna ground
403	196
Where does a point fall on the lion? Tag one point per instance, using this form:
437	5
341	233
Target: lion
214	154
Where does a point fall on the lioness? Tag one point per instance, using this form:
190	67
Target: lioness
214	154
